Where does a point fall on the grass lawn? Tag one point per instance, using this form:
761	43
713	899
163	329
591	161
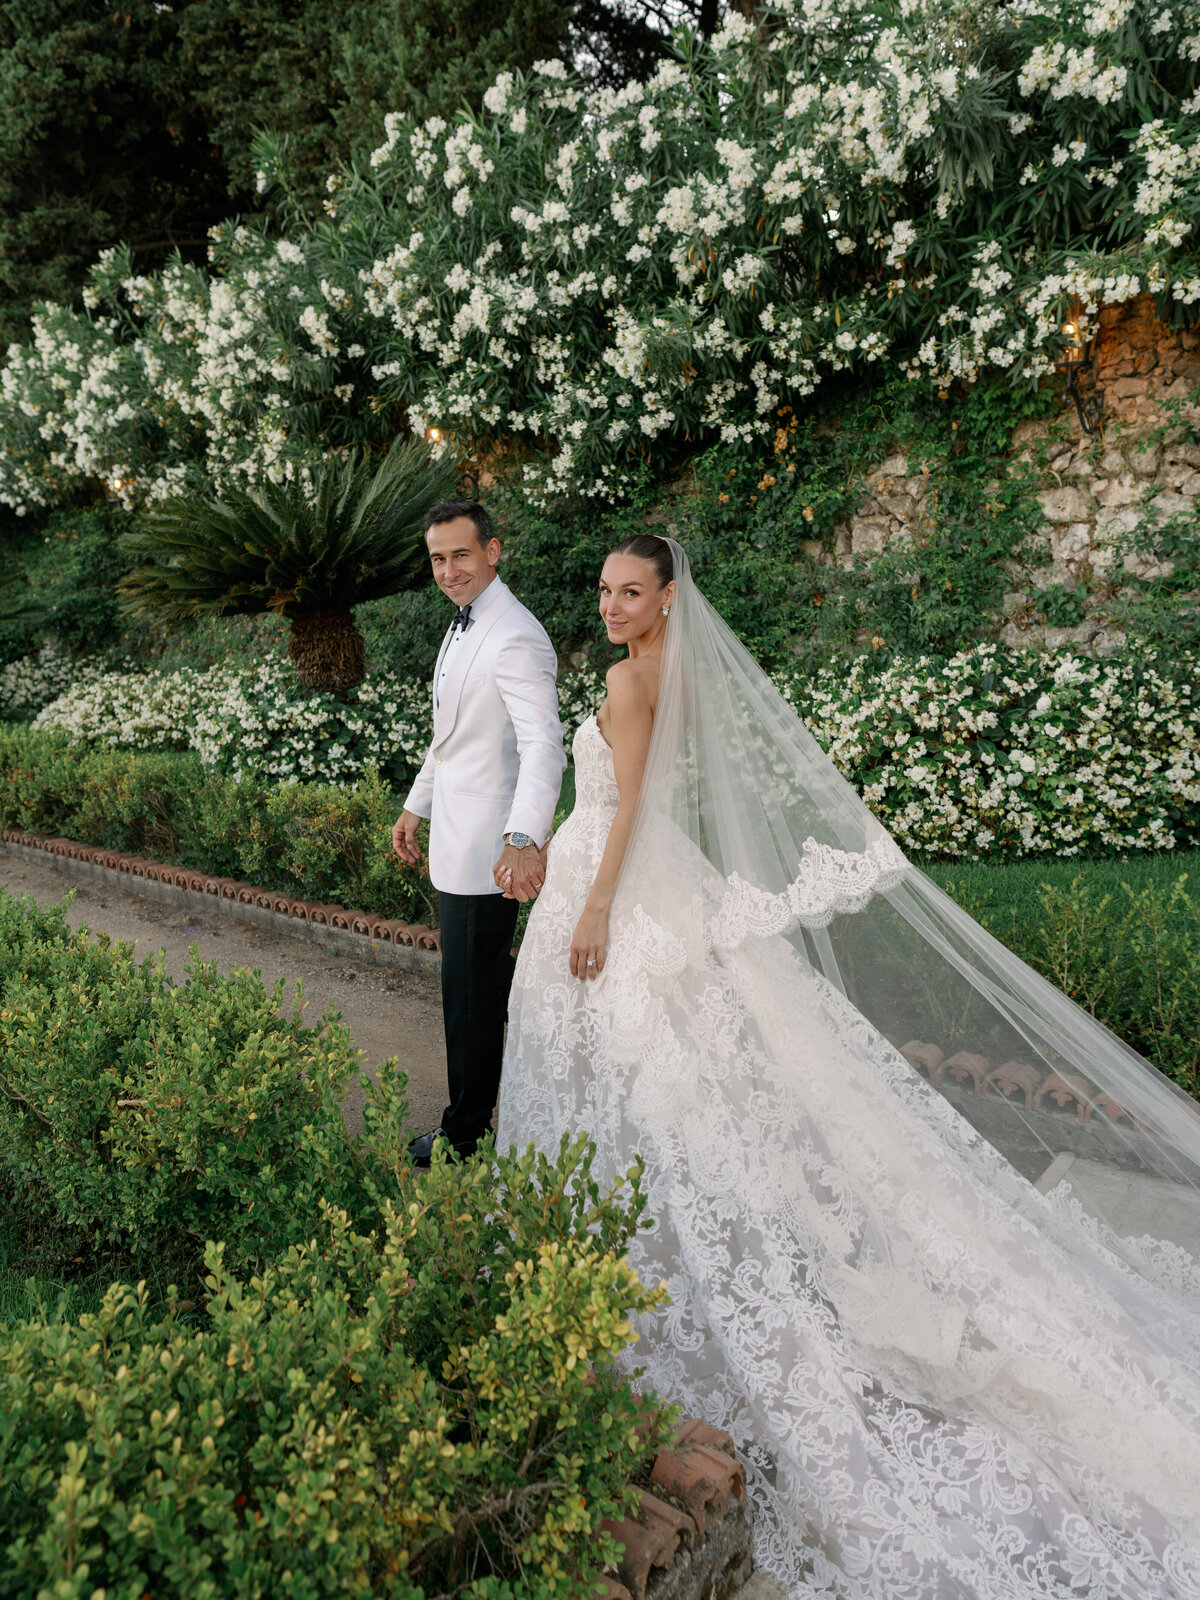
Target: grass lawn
1009	890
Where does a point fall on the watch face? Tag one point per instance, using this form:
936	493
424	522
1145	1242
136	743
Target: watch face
520	840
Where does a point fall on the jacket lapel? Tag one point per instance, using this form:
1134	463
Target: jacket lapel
447	708
437	671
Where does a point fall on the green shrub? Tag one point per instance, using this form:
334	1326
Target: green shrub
332	843
64	569
428	1409
207	642
315	841
403	632
146	1117
1127	952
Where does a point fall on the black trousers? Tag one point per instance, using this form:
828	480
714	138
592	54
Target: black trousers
477	969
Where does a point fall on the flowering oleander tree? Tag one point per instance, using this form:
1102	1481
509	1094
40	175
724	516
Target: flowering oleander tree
582	279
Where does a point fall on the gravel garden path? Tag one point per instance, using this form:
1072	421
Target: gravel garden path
390	1013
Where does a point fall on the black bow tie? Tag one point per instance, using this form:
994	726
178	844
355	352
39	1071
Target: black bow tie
460	619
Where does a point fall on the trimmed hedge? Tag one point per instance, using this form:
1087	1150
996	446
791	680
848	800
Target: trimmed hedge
414	1395
1127	951
143	1117
315	841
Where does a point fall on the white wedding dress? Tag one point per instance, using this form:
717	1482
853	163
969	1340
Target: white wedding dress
943	1383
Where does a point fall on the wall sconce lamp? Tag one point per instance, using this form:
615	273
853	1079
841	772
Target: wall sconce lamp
1074	361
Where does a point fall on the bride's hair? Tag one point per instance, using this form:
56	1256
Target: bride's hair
649	547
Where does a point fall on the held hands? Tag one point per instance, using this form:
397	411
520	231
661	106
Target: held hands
589	944
404	837
520	873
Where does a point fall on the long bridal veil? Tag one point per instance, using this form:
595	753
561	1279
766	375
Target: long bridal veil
734	769
863	1122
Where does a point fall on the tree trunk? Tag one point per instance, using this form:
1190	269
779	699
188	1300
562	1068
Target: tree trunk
327	650
710	14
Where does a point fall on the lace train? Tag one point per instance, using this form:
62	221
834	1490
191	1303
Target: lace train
943	1382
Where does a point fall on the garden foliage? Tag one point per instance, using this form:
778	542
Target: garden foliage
1129	954
138	125
1007	755
583	278
985	752
349	529
58	579
318	841
247	721
413	1395
150	1117
97	143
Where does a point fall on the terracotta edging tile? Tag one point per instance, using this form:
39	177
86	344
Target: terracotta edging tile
700	1478
1011	1076
368	925
649	1542
926	1057
1064	1087
966	1064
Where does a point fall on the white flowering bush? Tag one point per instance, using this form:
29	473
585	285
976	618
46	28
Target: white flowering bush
999	755
251	721
261	723
134	710
31	682
985	753
579	279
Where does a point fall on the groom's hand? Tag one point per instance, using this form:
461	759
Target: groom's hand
520	873
404	837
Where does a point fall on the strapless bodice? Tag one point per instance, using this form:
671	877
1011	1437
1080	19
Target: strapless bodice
595	781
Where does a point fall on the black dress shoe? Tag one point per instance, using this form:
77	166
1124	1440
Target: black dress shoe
421	1148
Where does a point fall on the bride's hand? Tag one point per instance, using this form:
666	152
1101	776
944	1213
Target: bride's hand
589	944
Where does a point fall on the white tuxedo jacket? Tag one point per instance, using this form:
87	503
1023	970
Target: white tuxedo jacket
496	762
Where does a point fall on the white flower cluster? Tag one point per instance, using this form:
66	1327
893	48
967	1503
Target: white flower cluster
578	275
996	754
987	753
211	367
133	710
28	684
250	721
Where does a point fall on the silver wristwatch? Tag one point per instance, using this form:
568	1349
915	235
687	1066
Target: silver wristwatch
519	841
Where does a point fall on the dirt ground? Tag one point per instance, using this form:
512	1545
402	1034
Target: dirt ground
390	1013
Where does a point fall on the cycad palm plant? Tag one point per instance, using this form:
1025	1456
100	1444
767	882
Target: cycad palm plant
311	551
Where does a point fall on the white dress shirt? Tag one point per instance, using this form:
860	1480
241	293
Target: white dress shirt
482	600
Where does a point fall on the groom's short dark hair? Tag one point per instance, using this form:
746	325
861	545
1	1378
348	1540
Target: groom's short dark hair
449	509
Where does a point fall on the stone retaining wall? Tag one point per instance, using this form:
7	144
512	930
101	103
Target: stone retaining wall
1139	469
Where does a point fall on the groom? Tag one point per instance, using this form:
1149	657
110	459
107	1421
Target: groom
489	785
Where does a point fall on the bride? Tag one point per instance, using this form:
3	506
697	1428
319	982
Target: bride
944	1376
